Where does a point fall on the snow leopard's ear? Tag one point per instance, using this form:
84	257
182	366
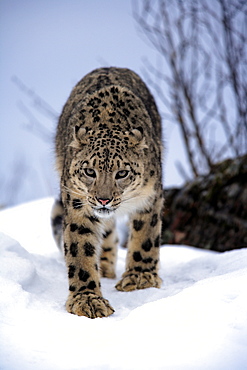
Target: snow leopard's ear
137	139
79	137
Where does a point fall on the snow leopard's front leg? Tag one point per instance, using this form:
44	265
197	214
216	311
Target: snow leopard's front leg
143	249
82	247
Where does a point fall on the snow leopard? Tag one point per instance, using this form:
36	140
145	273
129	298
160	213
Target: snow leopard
108	156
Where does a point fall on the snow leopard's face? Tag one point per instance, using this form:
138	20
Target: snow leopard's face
107	172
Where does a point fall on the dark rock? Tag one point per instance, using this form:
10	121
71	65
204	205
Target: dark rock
211	211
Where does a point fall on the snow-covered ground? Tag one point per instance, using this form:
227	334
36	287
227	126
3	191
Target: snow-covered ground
197	320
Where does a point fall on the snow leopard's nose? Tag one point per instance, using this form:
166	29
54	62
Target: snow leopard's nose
103	201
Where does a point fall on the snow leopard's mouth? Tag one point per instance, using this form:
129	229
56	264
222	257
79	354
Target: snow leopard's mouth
103	212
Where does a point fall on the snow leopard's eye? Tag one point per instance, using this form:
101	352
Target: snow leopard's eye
90	172
121	174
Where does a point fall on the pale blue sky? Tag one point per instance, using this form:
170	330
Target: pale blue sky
49	45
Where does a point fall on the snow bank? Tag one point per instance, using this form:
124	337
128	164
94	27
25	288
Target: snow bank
197	320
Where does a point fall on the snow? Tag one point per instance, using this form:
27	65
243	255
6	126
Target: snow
197	320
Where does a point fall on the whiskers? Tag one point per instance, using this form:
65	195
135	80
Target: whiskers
133	197
69	190
78	202
135	202
125	204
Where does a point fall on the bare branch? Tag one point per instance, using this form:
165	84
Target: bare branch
202	46
37	101
34	126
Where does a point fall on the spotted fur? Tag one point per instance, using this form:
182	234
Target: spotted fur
108	150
